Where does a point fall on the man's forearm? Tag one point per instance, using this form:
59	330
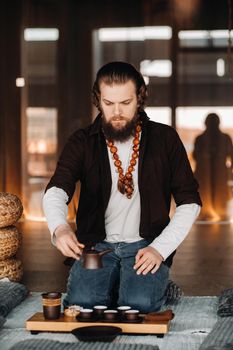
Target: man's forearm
55	208
177	229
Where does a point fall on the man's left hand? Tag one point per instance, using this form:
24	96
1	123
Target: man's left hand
147	260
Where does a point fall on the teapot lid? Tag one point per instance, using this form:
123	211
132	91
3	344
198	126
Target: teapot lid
91	250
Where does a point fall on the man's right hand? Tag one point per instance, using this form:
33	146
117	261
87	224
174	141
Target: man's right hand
67	243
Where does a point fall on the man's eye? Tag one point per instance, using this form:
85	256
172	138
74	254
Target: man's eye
126	102
108	103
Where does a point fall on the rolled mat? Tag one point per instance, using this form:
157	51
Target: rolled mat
224	347
225	303
2	321
11	295
46	344
221	336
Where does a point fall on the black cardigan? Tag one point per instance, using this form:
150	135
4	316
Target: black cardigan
164	170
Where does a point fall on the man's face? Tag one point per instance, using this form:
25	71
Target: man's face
119	106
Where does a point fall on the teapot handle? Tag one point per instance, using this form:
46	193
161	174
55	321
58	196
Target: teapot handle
105	251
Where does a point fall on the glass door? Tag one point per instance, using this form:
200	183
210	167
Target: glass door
40	115
204	117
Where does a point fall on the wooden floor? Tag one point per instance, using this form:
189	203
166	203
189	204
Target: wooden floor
203	264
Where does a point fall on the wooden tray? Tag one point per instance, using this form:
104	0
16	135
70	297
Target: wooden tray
37	323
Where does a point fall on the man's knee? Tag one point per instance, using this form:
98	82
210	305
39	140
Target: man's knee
143	303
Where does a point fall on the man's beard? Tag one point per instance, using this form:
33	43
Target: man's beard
122	134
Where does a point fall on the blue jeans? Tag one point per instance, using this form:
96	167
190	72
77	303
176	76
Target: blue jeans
117	282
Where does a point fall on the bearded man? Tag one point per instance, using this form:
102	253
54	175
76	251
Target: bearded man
129	168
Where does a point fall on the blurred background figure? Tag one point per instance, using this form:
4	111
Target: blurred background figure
213	154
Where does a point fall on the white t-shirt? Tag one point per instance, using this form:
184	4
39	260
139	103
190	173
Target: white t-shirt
122	216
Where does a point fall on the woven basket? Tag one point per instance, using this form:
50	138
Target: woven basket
11	209
10	240
11	268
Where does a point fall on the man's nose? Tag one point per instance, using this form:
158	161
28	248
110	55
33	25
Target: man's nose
117	110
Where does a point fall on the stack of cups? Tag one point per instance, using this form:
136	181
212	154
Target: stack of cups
51	305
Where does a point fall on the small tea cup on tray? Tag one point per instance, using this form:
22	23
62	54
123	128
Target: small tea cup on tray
86	315
110	315
132	316
99	310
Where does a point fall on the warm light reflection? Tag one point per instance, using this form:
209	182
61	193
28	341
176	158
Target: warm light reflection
41	158
220	67
146	79
204	34
204	38
41	140
42	146
214	218
41	34
34	217
193	116
135	33
193	34
20	82
156	68
159	114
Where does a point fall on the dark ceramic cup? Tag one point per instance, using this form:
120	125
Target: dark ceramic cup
99	310
86	313
132	315
51	305
110	315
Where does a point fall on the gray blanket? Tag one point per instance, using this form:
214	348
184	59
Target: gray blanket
221	336
225	303
46	344
224	347
11	294
2	321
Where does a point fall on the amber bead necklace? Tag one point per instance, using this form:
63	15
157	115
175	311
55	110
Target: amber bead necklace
125	182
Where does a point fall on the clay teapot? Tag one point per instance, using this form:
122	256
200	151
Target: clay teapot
91	258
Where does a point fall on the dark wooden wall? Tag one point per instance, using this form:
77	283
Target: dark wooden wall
10	106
